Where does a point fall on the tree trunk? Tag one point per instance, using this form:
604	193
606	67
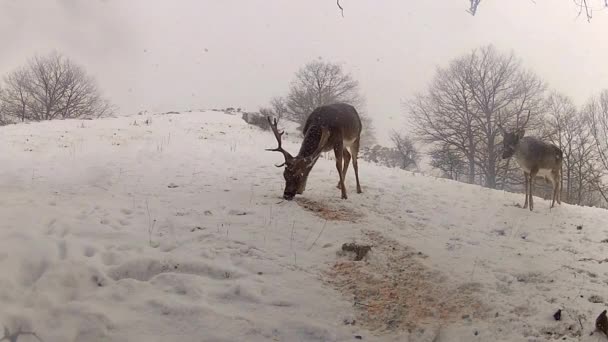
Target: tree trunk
471	170
471	156
491	169
580	185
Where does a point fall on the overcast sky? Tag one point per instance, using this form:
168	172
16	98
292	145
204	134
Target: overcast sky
181	54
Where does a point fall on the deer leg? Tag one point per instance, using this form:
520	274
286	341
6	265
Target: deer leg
345	168
354	151
339	150
559	191
557	177
554	197
526	177
533	173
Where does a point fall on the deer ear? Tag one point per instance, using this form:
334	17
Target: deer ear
502	130
521	133
324	138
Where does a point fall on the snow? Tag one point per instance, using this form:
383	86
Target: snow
122	230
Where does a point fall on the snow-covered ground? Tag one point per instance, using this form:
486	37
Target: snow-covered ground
175	230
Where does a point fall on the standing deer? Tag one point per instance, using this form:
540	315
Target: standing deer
535	158
335	126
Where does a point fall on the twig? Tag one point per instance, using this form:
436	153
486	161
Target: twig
318	236
340	7
151	224
473	9
14	336
600	261
583	5
291	239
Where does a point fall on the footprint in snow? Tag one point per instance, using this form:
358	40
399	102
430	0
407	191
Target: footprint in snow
238	212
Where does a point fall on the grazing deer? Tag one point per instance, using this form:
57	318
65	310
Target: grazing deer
535	158
335	126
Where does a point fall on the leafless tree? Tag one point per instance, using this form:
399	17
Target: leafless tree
464	101
596	112
572	131
277	108
52	87
319	83
561	127
385	156
407	152
448	160
585	176
15	97
316	84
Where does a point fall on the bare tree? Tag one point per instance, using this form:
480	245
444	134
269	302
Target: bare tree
51	87
449	161
316	84
15	97
448	122
464	101
320	83
572	131
596	112
585	176
561	125
407	152
498	84
385	156
277	108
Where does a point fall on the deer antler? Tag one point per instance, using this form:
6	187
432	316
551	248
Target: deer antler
278	135
525	122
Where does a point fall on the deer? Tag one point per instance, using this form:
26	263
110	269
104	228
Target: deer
334	127
535	158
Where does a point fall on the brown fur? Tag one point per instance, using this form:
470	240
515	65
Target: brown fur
335	126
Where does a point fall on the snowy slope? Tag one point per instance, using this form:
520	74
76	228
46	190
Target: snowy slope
175	230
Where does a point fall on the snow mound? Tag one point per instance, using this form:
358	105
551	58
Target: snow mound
172	227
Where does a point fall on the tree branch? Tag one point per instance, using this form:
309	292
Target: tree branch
473	9
342	9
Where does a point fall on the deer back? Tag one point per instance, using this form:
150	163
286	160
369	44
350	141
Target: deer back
534	153
342	121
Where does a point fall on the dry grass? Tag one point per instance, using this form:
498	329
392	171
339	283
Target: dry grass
393	289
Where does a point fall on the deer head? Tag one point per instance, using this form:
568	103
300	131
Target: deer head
510	140
296	168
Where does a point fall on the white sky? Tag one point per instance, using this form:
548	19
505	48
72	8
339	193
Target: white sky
181	54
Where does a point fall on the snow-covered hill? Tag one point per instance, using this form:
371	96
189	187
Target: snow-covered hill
174	229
